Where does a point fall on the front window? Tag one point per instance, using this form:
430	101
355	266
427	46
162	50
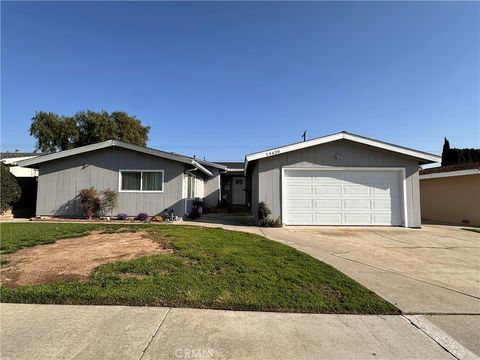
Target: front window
139	180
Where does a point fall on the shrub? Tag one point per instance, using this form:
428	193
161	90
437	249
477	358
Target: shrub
122	216
109	201
270	222
142	216
263	211
89	201
10	190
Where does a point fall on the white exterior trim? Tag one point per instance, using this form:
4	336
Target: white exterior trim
111	143
450	174
343	136
141	180
333	168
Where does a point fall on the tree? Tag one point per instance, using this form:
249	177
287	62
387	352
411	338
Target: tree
54	132
446	152
10	190
452	156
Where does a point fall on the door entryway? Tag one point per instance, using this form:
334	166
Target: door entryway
238	191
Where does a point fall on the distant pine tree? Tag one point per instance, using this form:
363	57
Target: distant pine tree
446	152
458	156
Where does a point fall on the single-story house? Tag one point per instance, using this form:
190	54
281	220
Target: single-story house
451	194
340	179
147	180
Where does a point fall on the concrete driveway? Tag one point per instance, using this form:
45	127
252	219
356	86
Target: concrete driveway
435	269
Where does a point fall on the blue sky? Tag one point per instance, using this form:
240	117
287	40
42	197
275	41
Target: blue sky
224	79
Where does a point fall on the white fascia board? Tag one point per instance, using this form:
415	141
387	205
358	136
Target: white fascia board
450	174
14	161
108	143
211	164
339	136
65	153
201	168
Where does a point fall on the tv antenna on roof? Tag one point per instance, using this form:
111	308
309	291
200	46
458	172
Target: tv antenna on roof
304	136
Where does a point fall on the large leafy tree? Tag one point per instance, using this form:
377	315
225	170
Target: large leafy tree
10	190
55	132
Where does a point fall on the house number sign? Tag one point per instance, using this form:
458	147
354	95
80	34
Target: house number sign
273	152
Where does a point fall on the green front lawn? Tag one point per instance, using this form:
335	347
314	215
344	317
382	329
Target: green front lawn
209	268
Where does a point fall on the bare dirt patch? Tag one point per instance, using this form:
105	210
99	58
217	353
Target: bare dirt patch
74	259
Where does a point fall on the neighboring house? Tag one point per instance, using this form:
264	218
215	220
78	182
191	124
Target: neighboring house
11	158
451	194
147	180
27	179
340	179
234	184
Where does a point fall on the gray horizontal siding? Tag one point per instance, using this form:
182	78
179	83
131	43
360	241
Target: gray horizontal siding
352	155
212	188
60	181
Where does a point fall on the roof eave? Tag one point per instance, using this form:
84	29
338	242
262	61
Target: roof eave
426	158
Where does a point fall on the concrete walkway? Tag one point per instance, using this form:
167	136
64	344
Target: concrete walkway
116	332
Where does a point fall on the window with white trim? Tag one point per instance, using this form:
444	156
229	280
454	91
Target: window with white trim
141	180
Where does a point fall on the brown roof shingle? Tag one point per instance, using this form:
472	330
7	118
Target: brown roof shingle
454	167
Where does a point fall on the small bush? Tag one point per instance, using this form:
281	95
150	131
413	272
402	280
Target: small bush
10	190
89	201
270	222
122	216
109	201
263	211
142	216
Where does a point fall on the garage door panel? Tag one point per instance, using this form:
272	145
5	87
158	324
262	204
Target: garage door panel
356	190
327	190
357	177
342	197
385	219
356	204
381	204
330	177
387	192
304	204
301	218
335	204
299	190
356	218
328	219
385	177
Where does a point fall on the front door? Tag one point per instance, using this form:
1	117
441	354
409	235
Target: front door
238	191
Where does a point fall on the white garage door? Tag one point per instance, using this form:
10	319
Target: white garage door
342	197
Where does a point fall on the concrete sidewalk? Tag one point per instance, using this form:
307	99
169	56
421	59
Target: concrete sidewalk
116	332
